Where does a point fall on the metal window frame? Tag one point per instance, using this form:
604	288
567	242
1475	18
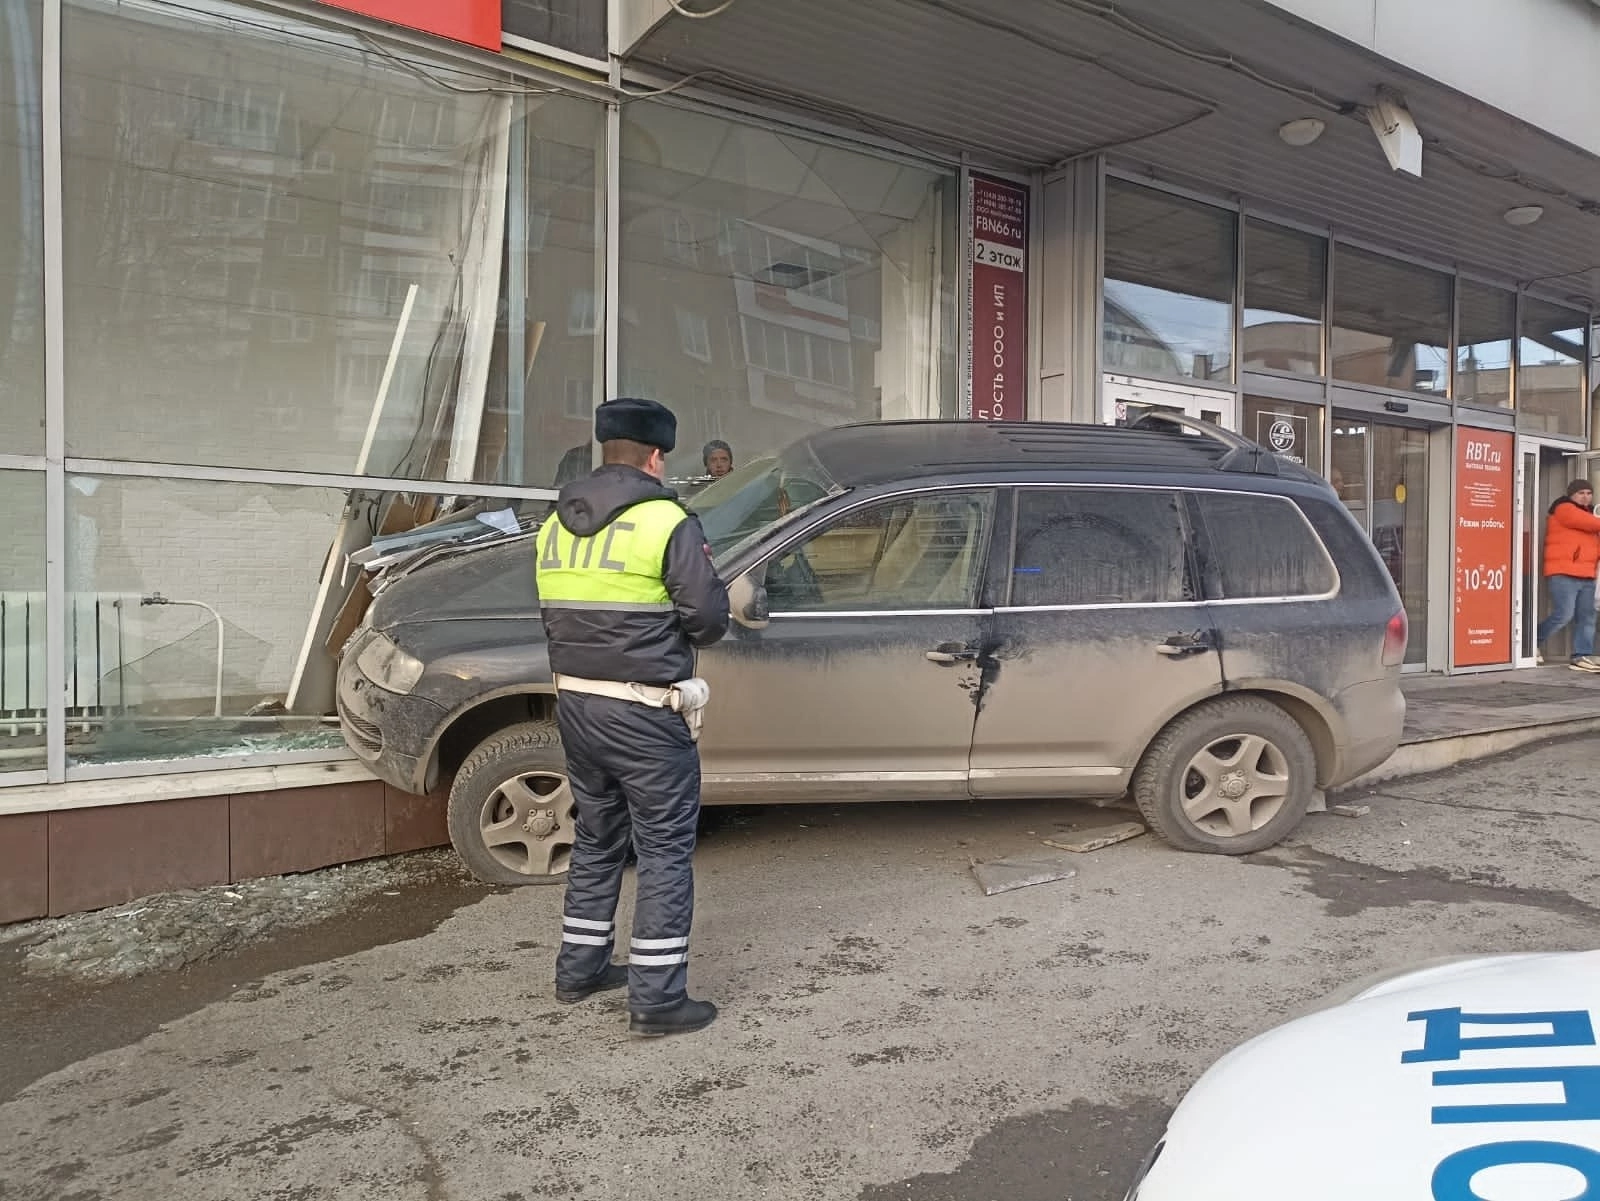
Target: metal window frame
55	379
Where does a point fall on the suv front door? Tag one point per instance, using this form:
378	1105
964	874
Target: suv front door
1102	639
861	685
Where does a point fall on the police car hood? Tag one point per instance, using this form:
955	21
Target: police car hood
1394	1094
588	505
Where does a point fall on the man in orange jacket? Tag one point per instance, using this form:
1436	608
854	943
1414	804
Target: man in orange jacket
1571	555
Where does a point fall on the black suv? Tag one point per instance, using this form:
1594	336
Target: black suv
941	610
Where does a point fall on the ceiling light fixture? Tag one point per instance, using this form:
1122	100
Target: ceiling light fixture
1302	132
1524	214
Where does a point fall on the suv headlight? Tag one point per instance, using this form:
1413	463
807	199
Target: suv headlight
387	666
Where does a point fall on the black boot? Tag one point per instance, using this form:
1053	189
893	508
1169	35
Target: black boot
683	1018
615	976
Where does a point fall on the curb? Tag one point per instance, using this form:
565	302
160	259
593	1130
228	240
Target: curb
1439	754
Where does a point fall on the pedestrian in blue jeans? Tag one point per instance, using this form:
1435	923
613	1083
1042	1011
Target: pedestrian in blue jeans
1571	555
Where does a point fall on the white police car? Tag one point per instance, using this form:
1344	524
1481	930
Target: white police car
1471	1080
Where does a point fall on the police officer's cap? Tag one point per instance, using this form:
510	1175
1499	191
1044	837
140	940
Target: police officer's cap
637	420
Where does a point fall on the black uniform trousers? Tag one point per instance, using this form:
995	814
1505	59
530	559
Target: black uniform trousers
633	768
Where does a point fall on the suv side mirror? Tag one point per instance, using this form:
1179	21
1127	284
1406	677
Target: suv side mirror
747	602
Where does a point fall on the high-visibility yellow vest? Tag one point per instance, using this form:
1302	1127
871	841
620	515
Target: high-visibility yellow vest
617	568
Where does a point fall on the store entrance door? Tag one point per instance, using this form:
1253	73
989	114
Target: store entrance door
1543	470
1381	474
1123	400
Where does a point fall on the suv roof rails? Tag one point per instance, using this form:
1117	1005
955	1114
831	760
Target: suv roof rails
1243	456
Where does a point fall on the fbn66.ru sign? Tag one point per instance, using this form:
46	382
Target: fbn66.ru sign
997	301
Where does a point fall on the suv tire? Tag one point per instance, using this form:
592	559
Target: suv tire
1228	777
511	813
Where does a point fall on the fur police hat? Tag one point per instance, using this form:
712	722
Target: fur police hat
638	421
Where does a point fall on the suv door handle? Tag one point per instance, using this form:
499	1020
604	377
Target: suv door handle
951	652
1178	645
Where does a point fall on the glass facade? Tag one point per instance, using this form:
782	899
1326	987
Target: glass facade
326	302
1485	340
1551	355
773	286
1337	343
575	25
22	622
1285	295
1391	323
249	283
1170	266
22	220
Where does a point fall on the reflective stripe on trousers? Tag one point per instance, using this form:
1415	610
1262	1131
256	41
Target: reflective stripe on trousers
632	768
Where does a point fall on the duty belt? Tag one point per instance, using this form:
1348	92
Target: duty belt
686	697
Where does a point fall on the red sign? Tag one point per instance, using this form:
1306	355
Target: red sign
997	314
476	22
1485	493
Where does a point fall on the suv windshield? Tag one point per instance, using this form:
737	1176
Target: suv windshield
765	491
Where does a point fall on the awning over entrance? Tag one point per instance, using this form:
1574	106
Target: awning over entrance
1193	97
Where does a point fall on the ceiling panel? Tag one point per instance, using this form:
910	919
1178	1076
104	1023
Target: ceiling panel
1023	84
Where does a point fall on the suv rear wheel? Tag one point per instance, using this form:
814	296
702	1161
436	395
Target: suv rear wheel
1228	777
511	812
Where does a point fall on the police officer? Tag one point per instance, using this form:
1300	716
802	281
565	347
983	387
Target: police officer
628	592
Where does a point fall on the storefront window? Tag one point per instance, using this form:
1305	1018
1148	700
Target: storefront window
22	248
1391	323
1291	430
1550	363
1170	266
22	623
1484	341
1285	290
204	618
576	25
286	250
772	286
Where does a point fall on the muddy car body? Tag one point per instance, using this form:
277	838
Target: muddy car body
943	610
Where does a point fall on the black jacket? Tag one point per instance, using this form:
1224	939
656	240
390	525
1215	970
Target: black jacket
641	648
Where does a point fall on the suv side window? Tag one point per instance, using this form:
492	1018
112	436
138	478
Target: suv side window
915	552
1099	546
1262	546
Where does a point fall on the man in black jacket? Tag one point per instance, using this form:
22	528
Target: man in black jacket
628	591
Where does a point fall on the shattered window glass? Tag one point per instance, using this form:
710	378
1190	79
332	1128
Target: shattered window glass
1098	546
1262	546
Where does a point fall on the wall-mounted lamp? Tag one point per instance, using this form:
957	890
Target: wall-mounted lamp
1523	214
1301	132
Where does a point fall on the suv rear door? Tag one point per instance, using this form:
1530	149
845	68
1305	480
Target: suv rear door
1274	595
1100	639
861	685
1302	606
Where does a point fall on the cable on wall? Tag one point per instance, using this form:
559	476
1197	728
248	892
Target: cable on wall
701	14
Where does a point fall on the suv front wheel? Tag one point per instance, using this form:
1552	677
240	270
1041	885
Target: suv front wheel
511	812
1228	777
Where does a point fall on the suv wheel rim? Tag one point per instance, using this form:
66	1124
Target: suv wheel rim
1234	785
527	823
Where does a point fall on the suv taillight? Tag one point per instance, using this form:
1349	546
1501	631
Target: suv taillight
1394	640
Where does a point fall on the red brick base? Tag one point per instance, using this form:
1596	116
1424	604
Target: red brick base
75	859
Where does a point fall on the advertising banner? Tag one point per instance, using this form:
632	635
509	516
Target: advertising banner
476	22
997	300
1485	496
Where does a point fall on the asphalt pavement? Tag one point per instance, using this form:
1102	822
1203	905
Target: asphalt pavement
888	1031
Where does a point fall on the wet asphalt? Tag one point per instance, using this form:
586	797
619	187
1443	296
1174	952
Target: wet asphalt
887	1030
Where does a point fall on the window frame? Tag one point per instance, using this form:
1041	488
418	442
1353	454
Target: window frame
1191	566
982	577
1210	578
